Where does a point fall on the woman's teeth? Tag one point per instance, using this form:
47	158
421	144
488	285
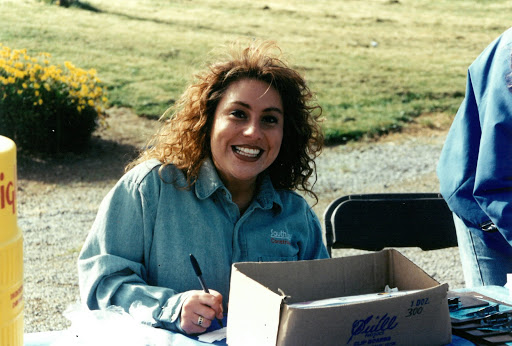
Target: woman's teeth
247	151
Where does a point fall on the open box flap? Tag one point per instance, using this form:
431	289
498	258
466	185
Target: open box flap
252	304
351	275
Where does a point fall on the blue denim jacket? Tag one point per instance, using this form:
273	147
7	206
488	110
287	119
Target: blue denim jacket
475	167
139	245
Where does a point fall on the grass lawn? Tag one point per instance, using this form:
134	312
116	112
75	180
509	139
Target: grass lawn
374	65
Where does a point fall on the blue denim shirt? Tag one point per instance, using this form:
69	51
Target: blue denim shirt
139	245
475	167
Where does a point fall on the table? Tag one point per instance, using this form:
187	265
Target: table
163	337
122	335
59	338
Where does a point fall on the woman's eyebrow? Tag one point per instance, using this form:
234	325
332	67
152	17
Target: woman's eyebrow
273	109
269	109
243	104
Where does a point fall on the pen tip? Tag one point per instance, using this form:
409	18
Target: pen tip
195	265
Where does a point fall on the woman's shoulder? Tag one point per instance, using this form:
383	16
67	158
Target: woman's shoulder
138	173
295	205
152	170
291	198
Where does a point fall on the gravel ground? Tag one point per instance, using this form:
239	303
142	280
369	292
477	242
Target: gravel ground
58	199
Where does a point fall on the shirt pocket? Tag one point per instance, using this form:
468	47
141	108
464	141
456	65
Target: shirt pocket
277	258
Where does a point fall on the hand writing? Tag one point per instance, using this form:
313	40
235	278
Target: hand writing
199	309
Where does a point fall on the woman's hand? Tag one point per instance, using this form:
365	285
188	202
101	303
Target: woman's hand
199	309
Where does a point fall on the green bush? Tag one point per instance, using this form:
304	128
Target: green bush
47	108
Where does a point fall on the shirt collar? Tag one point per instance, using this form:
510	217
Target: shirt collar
208	182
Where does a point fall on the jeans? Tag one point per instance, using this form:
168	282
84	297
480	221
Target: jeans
486	256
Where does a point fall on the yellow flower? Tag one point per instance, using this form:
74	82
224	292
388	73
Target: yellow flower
40	101
90	103
36	93
69	65
19	74
19	91
84	90
24	85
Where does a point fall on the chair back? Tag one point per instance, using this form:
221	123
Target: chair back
376	221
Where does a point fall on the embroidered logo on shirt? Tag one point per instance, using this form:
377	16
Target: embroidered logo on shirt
280	237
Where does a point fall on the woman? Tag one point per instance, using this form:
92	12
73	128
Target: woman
475	167
216	182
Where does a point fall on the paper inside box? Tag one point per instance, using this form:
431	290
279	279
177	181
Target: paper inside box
321	303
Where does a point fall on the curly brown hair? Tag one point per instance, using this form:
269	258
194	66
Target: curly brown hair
184	139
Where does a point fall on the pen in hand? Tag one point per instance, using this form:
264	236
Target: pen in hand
199	274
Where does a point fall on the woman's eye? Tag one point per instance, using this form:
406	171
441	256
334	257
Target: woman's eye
237	114
270	119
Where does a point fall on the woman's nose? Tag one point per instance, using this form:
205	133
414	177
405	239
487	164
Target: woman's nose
253	129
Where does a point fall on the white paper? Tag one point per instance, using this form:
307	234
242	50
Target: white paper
349	299
111	326
509	284
216	335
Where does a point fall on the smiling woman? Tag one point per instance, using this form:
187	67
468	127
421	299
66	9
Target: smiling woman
184	140
246	136
217	181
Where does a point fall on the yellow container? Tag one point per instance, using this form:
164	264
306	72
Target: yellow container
11	250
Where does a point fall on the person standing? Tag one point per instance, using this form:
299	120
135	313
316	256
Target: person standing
475	167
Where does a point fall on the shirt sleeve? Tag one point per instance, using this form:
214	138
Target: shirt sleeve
457	163
111	264
493	179
315	247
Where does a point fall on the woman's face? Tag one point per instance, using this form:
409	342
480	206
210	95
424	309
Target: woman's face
247	131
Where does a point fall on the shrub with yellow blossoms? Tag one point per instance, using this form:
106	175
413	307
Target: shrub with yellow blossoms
45	107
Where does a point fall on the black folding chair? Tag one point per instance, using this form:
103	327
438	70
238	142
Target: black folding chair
376	221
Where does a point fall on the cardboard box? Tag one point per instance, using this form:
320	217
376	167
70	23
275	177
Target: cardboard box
260	294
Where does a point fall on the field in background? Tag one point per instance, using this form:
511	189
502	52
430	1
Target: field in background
374	65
